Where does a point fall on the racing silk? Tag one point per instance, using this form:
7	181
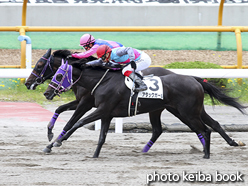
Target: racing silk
124	55
98	42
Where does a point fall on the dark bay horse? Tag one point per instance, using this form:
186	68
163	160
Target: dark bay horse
182	96
48	64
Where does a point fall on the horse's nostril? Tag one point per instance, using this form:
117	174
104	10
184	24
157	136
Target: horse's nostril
45	94
27	85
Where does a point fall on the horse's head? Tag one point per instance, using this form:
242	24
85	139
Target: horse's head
61	82
46	67
41	72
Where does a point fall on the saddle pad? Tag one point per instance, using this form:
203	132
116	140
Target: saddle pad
154	87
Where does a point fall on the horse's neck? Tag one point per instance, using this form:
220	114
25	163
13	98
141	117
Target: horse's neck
56	63
90	77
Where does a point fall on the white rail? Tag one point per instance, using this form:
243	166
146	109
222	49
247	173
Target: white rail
204	73
214	73
15	73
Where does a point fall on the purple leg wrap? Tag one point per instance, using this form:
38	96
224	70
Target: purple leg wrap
201	139
61	134
52	121
148	146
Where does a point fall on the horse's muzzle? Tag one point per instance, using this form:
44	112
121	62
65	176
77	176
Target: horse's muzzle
49	95
27	85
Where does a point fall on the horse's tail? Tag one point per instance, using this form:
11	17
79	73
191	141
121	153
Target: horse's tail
218	94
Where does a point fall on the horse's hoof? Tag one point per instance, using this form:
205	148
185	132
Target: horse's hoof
206	156
241	143
47	150
57	144
50	136
233	143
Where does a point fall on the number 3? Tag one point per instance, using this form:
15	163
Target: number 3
155	83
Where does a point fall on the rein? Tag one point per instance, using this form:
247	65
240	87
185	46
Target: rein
99	81
41	78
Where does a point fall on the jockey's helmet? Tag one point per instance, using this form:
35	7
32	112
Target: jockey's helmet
86	39
102	51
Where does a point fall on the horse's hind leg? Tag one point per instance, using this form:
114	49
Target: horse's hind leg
216	127
196	125
203	133
104	130
156	128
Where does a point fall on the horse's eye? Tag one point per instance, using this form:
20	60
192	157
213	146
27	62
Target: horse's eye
59	77
39	67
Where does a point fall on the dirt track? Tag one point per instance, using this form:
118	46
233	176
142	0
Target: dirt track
120	163
159	57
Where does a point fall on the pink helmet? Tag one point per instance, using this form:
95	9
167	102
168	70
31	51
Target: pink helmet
86	39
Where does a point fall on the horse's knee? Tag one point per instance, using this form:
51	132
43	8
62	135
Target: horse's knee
157	133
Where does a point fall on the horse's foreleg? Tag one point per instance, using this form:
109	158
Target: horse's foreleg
104	130
216	127
48	148
96	115
156	128
69	106
84	106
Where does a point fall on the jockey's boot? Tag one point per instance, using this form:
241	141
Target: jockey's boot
141	85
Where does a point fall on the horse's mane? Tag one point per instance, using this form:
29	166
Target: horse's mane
65	53
81	65
62	53
86	60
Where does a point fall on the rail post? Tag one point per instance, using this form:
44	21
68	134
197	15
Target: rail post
220	15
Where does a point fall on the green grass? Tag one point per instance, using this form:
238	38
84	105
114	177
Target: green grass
192	65
236	90
20	93
139	40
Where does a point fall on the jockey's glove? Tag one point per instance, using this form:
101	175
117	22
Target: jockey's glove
97	62
112	65
68	57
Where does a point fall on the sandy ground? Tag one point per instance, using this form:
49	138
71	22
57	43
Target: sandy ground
121	161
176	156
159	57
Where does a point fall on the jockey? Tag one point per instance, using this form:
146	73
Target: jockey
90	44
124	55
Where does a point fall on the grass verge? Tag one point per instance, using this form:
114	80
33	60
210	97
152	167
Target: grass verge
21	94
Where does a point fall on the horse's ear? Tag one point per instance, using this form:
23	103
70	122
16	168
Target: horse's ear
62	62
48	53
